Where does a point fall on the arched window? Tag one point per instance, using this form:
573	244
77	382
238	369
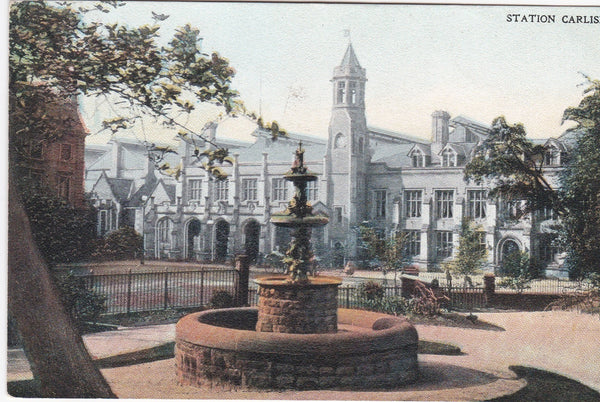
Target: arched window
164	238
340	141
341	92
448	157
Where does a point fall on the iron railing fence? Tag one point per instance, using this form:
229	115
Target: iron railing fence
461	298
133	292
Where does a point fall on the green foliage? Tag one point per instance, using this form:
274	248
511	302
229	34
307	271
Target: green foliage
221	299
55	53
389	251
518	271
513	166
122	244
580	188
471	253
80	299
63	233
424	303
370	290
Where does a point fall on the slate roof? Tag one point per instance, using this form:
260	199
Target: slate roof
121	188
350	58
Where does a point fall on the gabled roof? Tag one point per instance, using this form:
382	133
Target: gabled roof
163	192
121	188
557	143
424	148
458	148
350	58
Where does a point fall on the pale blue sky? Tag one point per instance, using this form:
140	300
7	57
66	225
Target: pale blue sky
467	60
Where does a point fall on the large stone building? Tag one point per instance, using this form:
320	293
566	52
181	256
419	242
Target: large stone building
392	181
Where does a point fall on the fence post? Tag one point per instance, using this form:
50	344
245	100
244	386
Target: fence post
202	287
242	267
129	291
166	290
489	284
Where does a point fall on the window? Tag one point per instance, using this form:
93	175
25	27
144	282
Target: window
547	248
547	213
164	230
63	186
413	201
341	93
476	201
221	190
280	189
444	202
195	189
249	189
352	88
443	242
361	145
413	242
448	157
65	152
340	141
312	190
418	159
511	209
482	242
552	156
338	214
380	207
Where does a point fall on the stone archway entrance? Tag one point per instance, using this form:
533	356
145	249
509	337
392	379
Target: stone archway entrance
193	239
252	240
221	240
509	246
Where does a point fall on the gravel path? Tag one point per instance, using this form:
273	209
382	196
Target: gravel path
562	342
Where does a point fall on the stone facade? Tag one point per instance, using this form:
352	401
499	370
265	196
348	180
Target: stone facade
393	181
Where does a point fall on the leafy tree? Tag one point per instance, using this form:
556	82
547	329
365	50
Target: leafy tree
390	251
513	167
580	187
54	56
81	301
516	268
472	253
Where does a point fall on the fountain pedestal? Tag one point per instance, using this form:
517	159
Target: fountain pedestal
306	308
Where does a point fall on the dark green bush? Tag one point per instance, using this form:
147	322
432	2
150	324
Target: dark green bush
221	299
80	299
122	244
371	290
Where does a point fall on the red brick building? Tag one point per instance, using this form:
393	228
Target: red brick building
58	162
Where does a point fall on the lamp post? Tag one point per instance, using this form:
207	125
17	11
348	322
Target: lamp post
144	200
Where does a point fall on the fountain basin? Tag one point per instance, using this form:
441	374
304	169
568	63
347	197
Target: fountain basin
369	351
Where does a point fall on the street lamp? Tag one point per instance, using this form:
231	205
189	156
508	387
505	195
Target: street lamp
144	200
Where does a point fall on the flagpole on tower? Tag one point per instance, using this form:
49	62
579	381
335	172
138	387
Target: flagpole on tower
347	35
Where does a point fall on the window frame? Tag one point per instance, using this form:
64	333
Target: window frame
250	189
476	204
194	189
444	205
413	207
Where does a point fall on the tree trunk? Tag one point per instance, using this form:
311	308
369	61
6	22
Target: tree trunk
58	357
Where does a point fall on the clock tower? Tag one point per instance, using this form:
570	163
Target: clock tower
347	151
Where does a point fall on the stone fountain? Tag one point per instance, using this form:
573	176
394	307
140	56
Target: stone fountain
297	338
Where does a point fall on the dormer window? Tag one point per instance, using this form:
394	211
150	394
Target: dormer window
552	156
418	158
448	157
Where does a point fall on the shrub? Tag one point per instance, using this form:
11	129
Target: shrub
122	244
371	290
221	299
80	300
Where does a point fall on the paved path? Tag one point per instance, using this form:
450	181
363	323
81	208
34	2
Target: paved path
562	342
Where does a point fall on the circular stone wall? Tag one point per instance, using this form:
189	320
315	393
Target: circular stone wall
297	308
370	350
